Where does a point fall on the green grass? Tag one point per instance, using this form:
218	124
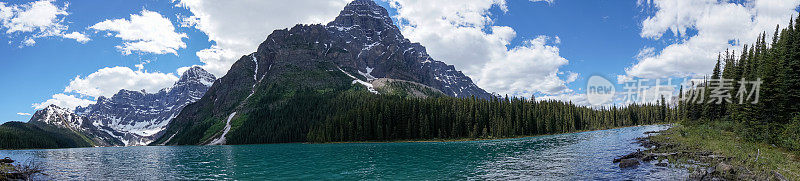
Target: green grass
214	129
718	138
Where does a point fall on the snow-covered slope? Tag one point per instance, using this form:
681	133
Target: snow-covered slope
64	118
59	117
137	118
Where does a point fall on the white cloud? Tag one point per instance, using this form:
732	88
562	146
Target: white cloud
525	70
716	22
64	101
238	28
38	19
23	114
82	91
29	42
462	33
218	60
147	32
108	81
182	70
547	1
80	37
41	16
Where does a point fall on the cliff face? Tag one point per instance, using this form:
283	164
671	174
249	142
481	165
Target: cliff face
375	48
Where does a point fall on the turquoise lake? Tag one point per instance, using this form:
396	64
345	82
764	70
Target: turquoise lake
573	156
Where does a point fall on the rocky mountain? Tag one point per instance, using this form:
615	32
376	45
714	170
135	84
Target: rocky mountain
375	48
53	127
59	117
308	63
136	117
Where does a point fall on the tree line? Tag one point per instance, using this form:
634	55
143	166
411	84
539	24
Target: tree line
775	117
360	116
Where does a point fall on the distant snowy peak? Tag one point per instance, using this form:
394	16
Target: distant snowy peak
196	75
137	117
59	117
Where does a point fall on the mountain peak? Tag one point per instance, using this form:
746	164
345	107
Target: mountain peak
364	14
367	3
57	116
52	106
196	73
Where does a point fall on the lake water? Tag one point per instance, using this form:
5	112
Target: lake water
574	156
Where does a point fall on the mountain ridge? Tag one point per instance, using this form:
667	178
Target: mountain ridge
137	117
128	118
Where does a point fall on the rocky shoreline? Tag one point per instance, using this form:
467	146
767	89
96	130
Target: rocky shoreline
9	171
703	165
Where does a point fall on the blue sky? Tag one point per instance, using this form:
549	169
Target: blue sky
611	38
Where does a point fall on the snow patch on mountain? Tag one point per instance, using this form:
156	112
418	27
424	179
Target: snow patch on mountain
367	74
369	86
221	140
59	117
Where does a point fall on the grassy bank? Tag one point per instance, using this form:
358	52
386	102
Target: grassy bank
709	144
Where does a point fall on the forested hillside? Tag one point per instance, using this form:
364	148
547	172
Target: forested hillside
19	135
770	115
359	116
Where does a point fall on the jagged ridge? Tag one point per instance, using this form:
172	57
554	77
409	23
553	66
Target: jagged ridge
136	117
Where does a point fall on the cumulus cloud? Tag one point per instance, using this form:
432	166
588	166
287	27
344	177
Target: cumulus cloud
77	37
547	1
108	81
23	114
38	19
525	70
63	101
237	28
717	23
462	33
146	32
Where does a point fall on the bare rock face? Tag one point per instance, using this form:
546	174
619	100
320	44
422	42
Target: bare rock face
375	48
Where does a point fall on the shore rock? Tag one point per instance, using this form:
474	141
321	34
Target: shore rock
699	174
723	169
637	154
627	163
6	160
777	176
